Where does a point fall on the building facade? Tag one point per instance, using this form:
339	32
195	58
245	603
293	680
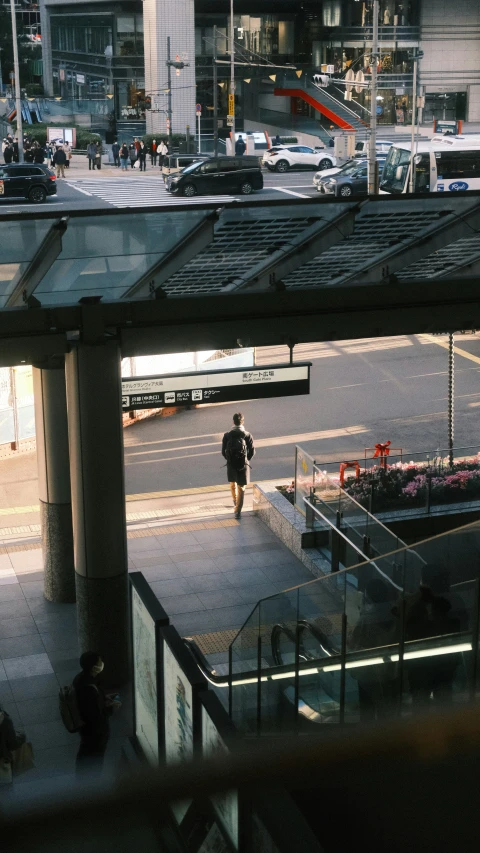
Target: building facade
117	49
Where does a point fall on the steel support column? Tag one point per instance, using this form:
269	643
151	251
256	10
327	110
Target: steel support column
98	503
54	482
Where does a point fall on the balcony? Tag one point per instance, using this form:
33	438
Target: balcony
365	34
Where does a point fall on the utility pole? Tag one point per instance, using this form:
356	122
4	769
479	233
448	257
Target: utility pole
231	100
451	395
372	144
215	94
169	94
416	56
16	69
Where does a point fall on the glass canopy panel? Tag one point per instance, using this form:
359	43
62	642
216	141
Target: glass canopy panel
10	274
106	255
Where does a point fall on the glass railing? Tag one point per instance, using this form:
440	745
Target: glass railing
364	530
421	481
304	476
384	638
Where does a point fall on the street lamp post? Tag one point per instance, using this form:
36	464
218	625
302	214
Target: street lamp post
232	77
417	54
372	143
169	98
16	68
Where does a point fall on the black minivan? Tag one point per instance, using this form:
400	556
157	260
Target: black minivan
218	175
25	180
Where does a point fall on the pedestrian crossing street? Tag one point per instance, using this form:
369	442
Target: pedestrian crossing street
137	192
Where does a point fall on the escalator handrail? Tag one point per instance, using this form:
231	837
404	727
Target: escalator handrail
333	662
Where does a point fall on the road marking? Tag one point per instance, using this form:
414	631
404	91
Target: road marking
456	350
138	192
79	189
12	209
288	192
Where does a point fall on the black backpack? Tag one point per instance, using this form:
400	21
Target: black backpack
236	450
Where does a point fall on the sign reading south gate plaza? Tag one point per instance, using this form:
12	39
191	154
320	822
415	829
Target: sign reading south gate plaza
216	386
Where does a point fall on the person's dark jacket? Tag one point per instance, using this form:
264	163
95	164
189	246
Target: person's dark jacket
93	709
124	152
59	158
15	152
238	430
132	152
9	739
115	149
91	151
8	154
38	155
240	147
28	155
142	154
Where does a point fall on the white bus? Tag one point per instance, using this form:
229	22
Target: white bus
443	164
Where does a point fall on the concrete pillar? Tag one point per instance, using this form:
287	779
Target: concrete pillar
98	503
162	18
54	482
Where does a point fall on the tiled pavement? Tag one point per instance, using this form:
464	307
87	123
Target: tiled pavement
207	574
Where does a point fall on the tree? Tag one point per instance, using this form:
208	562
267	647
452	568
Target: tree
26	50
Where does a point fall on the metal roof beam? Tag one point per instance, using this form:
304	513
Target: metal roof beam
44	258
406	252
466	270
317	238
186	250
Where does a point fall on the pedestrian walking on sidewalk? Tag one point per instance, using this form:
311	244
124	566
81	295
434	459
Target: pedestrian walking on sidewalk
238	449
98	155
116	153
132	153
68	154
153	153
162	152
124	157
94	707
59	160
91	154
142	156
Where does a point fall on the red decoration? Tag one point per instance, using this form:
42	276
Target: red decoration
344	466
382	450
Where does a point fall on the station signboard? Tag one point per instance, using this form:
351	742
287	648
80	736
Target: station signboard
216	386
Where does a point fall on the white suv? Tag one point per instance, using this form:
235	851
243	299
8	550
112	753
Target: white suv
281	158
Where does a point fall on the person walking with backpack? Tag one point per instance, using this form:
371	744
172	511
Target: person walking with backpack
238	449
94	709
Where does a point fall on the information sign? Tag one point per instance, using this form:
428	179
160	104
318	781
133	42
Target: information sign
145	681
216	386
231	104
225	804
198	109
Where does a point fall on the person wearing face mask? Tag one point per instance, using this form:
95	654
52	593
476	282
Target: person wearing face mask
95	708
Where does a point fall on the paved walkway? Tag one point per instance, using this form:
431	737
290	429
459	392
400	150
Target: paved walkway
208	572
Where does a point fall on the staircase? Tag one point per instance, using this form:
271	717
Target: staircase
323	101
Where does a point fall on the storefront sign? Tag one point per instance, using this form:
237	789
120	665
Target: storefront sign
81	79
218	386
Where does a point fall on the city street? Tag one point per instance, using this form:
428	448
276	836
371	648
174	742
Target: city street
81	190
362	392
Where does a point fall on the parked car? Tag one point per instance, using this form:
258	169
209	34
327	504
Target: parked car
218	175
352	179
281	158
321	177
24	180
174	163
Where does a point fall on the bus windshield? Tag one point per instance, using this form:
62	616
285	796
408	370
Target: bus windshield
395	170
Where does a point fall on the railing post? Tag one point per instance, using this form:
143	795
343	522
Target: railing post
297	673
401	652
429	492
371	498
475	640
343	657
259	685
230	681
334	550
309	513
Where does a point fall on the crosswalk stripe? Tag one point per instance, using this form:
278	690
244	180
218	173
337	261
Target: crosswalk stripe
138	192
